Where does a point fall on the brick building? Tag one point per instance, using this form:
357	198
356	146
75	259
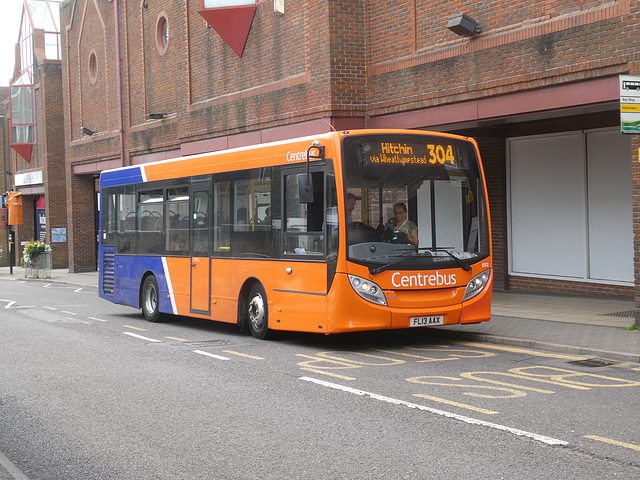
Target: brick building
34	130
536	82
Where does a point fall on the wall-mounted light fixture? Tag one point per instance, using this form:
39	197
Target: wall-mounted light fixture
463	25
156	116
87	131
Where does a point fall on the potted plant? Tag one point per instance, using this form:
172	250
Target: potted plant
36	256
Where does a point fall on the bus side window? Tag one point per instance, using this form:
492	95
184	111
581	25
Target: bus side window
177	220
110	220
126	240
200	224
331	230
150	222
253	233
301	219
221	218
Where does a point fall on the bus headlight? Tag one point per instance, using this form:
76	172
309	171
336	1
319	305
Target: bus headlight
476	285
367	290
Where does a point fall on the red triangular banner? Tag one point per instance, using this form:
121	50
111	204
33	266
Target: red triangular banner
232	24
24	150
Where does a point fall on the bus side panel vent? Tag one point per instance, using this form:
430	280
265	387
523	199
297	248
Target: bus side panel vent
108	271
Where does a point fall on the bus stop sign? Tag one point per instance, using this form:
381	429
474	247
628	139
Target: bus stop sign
630	104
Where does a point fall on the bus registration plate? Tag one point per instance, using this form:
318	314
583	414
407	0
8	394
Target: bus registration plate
426	321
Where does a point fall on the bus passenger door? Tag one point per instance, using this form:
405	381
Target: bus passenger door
300	293
200	211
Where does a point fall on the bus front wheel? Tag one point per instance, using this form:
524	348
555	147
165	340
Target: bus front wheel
258	312
150	299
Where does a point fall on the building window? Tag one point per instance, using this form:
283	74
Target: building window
162	34
93	67
570	195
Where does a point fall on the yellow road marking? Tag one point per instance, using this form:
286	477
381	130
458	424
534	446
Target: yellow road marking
97	319
625	365
178	339
316	360
327	373
424	359
50	308
243	355
455	404
520	350
68	313
135	328
613	442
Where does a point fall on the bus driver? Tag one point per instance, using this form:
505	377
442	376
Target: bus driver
400	224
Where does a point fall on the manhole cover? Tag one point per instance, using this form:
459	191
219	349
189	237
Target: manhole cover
208	343
593	362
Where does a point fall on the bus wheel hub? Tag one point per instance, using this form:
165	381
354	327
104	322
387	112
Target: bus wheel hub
256	311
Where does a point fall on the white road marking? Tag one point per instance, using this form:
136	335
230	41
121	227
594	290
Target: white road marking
462	418
14	471
207	354
9	304
141	337
75	288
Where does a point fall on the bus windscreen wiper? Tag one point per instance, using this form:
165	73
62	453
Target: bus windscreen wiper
386	266
465	266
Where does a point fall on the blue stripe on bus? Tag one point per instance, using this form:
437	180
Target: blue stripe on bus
123	176
128	280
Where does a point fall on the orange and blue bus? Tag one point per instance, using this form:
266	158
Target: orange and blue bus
337	232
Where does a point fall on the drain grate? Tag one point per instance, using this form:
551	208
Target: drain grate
625	314
208	343
593	362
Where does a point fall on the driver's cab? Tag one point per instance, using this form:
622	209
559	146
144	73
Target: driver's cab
370	215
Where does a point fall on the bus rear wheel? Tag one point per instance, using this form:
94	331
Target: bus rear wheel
151	299
258	312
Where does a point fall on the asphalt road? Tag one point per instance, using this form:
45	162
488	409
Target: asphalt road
89	390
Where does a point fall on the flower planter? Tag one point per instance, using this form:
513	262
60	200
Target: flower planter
40	268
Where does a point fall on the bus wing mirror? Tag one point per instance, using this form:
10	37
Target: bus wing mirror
305	182
305	187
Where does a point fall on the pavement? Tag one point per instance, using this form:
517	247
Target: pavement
585	327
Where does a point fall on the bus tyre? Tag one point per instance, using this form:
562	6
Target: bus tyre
151	299
258	312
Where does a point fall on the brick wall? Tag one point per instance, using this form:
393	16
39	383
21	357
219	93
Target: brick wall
416	62
492	151
565	287
51	128
81	233
199	82
348	57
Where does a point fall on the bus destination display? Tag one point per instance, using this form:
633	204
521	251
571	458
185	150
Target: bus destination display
416	154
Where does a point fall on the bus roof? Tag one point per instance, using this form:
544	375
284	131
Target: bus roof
282	152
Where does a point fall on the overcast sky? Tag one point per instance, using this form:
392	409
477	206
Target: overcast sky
9	26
